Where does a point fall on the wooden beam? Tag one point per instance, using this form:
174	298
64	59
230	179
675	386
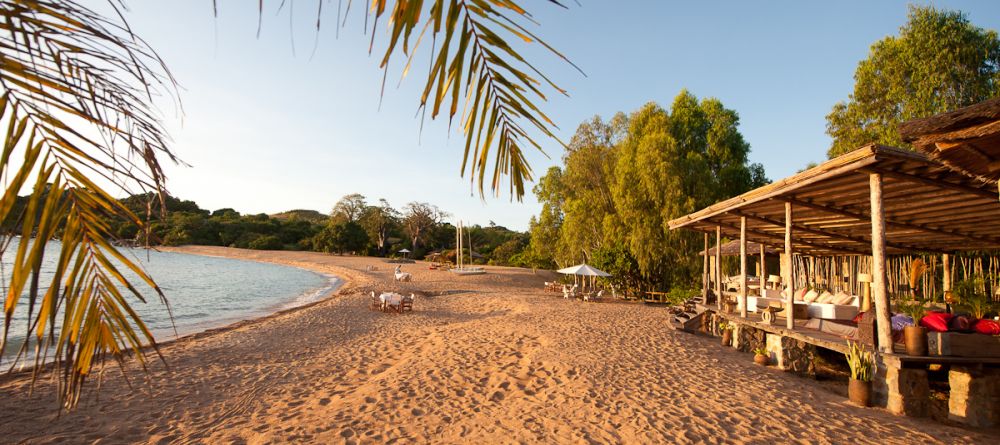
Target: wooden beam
743	266
891	222
879	287
827	233
774	236
932	182
763	269
946	278
789	250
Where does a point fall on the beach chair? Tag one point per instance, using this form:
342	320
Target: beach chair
403	276
407	303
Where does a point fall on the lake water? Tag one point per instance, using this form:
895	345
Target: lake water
204	292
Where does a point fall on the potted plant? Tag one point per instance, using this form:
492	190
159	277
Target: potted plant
760	356
862	363
727	333
972	297
915	336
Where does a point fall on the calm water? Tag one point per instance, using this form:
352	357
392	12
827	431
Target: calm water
204	292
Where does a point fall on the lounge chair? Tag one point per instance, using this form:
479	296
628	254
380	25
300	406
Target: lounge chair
403	276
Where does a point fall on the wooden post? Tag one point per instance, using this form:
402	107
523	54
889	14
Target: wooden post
790	279
946	279
743	266
880	292
763	270
718	266
704	274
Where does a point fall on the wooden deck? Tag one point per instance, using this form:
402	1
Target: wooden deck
838	343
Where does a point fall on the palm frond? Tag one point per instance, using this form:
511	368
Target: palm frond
75	97
474	65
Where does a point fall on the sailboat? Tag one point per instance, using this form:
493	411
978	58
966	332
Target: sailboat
462	269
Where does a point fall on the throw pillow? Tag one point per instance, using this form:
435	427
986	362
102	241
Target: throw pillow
825	297
988	327
843	299
810	296
936	321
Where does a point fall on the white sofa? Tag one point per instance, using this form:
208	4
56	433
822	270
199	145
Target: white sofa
824	311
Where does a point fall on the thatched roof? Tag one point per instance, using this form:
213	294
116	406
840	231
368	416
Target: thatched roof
732	248
927	207
967	139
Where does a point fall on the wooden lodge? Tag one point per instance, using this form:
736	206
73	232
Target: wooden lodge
860	209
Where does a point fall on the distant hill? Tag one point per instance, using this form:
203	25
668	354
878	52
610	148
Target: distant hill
305	215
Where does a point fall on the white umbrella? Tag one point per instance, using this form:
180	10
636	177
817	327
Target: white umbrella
404	252
585	270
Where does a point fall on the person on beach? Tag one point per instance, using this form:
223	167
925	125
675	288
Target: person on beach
399	268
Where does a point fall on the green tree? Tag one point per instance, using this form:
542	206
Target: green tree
379	221
670	164
349	208
938	62
418	219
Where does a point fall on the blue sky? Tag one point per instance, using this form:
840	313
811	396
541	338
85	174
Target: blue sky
269	128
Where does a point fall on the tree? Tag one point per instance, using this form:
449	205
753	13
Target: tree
341	237
61	55
418	218
939	62
671	164
378	221
349	208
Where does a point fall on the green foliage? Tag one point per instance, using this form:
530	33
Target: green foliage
760	351
973	295
618	261
266	242
939	62
861	361
341	237
624	179
914	308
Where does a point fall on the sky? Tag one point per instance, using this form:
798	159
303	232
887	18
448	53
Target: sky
292	119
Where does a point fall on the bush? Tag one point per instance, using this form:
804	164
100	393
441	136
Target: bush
266	242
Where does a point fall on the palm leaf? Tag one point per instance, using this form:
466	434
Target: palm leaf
76	92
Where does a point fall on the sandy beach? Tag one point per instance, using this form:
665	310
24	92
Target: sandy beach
482	359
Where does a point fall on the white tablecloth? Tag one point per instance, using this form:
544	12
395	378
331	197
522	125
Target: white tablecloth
391	298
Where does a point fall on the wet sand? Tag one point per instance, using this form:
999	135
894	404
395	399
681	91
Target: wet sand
482	359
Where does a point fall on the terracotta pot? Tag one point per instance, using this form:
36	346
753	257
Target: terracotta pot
727	337
761	359
915	338
859	392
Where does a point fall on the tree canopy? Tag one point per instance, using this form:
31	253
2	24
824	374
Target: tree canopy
939	62
624	179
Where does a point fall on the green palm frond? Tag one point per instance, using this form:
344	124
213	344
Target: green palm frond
75	95
474	65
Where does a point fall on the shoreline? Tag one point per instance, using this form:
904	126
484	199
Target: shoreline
239	254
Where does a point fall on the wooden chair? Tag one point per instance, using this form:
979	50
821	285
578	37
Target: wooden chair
376	303
407	303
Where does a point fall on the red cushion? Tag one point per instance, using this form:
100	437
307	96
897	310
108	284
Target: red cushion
988	327
936	321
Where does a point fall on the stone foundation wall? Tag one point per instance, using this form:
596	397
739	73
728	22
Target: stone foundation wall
747	338
975	396
799	356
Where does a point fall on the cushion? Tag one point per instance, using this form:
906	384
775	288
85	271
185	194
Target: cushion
825	297
842	298
988	327
810	296
801	293
936	321
900	321
961	323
